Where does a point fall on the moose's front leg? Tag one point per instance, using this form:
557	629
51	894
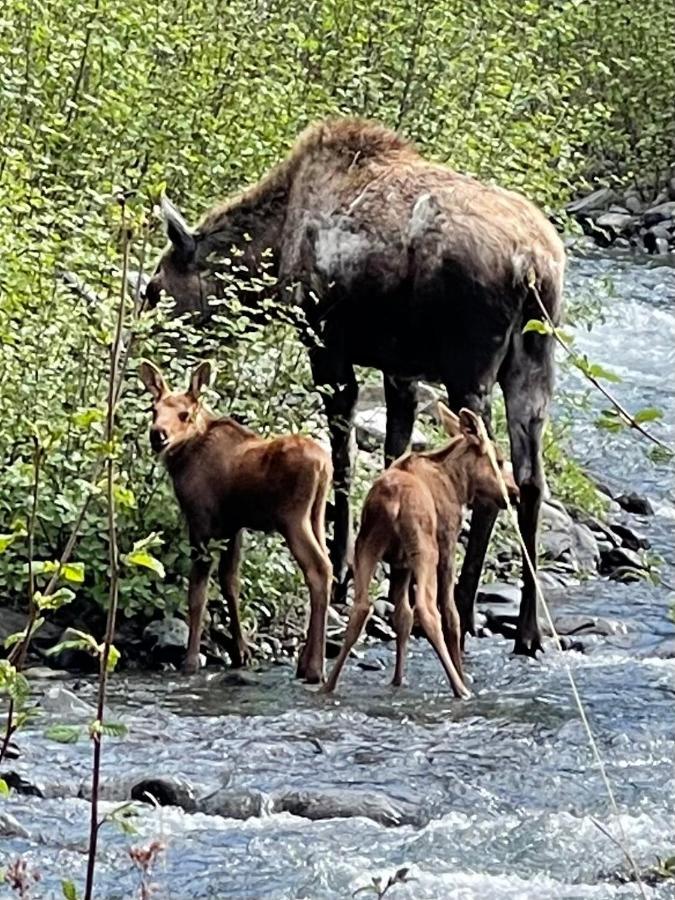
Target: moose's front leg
400	395
340	393
198	584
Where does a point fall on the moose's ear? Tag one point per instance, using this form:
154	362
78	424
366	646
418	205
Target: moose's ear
153	379
201	376
449	420
472	427
177	230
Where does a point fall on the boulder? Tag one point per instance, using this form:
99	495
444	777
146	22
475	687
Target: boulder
571	625
166	640
634	503
600	199
10	827
66	705
232	803
345	804
664	212
165	791
616	223
629	538
19	785
620	558
371	430
585	548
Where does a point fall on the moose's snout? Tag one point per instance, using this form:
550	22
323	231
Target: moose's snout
158	439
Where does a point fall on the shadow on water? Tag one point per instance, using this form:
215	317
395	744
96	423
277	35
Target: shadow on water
503	788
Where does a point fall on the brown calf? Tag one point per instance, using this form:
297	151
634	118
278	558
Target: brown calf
411	519
226	479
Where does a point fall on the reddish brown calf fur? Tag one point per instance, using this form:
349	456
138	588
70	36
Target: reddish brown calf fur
226	479
411	519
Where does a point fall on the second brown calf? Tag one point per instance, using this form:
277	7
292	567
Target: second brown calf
227	478
412	519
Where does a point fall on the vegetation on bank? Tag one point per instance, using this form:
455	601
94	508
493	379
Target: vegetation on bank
201	98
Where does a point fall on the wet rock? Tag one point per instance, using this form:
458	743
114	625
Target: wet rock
339	804
166	791
371	430
384	609
616	223
232	804
620	557
636	504
10	827
600	199
66	705
376	627
499	593
20	785
166	640
585	548
240	678
629	538
556	534
333	647
372	665
573	625
43	673
664	212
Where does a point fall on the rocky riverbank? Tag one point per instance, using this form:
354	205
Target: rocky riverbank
637	217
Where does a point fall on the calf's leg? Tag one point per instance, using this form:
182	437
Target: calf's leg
228	574
197	590
399	586
316	569
449	614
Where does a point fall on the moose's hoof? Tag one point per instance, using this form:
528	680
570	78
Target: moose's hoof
528	646
190	666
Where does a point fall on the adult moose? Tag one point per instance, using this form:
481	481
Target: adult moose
411	268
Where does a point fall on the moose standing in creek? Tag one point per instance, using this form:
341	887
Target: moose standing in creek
406	266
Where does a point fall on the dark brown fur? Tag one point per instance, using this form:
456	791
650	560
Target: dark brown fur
227	479
411	519
405	265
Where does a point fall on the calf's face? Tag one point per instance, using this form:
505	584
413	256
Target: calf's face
481	459
176	417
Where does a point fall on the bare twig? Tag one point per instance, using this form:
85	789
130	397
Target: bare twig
622	411
96	732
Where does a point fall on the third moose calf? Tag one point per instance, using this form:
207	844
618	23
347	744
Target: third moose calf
226	479
412	519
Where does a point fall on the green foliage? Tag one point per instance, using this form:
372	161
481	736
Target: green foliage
200	98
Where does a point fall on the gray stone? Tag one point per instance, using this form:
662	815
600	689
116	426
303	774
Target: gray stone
633	203
384	609
371	665
556	534
61	702
165	791
345	804
232	804
586	551
10	827
615	222
664	212
167	633
634	503
629	538
498	593
600	199
620	557
371	430
20	785
569	625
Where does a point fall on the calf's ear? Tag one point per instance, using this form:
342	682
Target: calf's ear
153	379
473	428
201	376
449	420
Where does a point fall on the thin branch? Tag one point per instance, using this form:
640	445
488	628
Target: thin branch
623	412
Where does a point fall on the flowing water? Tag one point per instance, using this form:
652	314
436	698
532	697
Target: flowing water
500	795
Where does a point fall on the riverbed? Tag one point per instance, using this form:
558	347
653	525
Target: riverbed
497	797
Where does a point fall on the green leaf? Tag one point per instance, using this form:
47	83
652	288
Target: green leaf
73	572
113	658
18	636
4	788
53	601
649	414
6	540
64	734
145	560
114	729
69	890
537	326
